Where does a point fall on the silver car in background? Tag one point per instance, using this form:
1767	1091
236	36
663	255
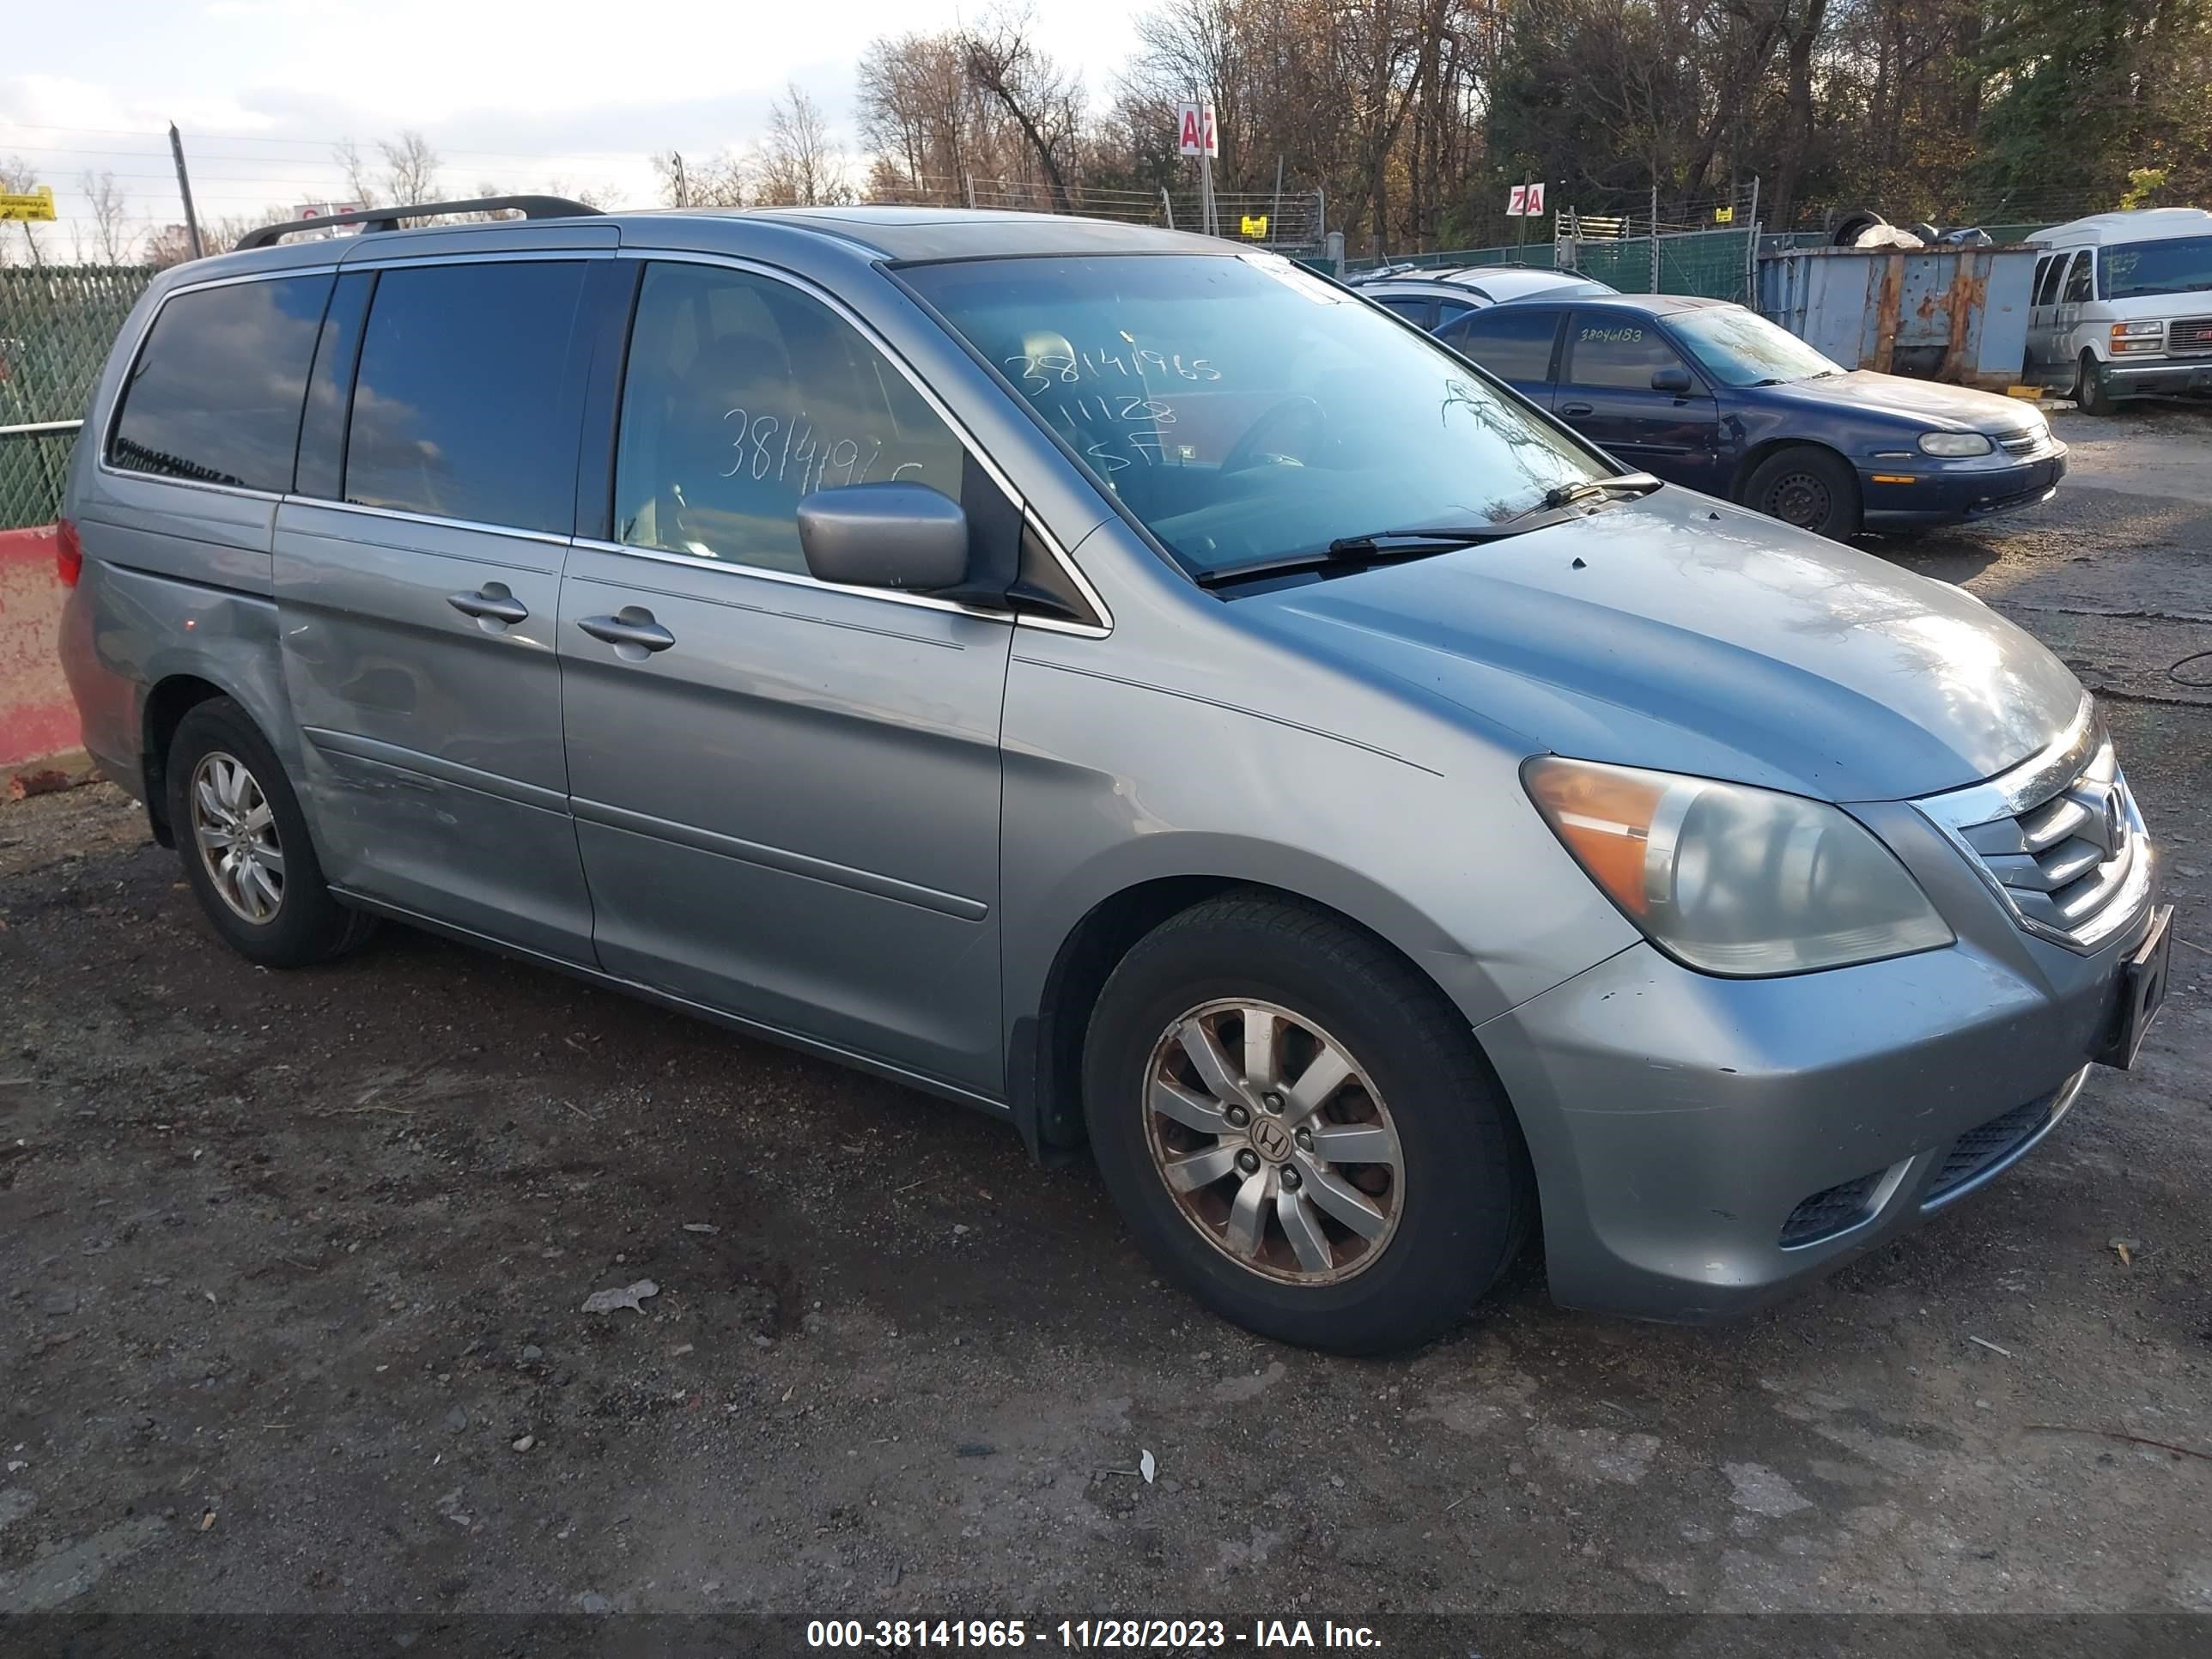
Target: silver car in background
1128	684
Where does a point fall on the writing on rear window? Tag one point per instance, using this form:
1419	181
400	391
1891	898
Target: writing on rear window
1616	336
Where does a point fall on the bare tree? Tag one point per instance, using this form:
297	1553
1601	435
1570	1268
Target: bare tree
361	183
708	181
1043	99
17	176
114	237
411	169
799	164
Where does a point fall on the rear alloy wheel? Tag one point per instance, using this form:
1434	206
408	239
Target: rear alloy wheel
246	853
1807	487
235	829
1278	1148
1299	1127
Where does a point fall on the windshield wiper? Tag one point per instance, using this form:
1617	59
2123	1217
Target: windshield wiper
1418	541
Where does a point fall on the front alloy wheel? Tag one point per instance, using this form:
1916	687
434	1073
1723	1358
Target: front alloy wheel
235	829
1275	1145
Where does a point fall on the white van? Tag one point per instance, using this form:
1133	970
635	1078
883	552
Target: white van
2123	307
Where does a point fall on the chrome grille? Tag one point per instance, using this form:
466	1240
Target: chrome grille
2019	443
2058	839
2190	334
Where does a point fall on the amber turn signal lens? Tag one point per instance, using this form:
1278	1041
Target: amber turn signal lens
1605	818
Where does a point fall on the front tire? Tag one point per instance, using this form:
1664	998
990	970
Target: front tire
245	846
1811	488
2089	393
1300	1129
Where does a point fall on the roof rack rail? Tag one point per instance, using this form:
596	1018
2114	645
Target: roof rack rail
388	218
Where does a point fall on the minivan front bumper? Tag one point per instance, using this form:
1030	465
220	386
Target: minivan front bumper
1703	1144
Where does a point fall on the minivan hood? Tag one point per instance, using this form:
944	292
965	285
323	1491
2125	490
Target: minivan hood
1925	404
1685	634
2197	302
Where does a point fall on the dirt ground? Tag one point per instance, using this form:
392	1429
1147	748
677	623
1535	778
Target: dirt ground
292	1265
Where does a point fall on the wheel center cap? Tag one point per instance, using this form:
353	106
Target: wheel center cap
1271	1140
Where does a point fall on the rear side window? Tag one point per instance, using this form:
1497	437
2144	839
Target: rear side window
216	394
458	408
2078	279
1514	342
2046	278
1413	311
1616	350
744	395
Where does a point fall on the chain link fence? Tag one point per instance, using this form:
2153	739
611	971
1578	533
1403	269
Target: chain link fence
56	324
1288	221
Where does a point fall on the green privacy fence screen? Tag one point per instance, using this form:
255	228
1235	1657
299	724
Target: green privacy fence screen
1715	263
56	322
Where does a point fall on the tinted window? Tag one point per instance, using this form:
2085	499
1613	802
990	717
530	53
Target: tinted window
744	395
1512	341
2046	278
216	391
2077	279
457	410
1413	311
1616	349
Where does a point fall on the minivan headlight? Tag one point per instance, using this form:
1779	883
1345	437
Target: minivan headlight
1731	879
1954	444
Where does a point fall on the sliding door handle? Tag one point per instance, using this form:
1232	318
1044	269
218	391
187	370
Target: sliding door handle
631	629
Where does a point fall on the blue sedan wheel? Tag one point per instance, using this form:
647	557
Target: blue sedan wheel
1812	489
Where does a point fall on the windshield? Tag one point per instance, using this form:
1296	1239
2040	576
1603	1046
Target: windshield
1738	347
2182	264
1241	409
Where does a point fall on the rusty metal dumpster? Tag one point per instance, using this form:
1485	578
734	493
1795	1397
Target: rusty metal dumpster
1942	314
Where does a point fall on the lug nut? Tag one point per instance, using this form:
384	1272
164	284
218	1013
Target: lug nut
1272	1101
1237	1116
1291	1182
1248	1161
1305	1140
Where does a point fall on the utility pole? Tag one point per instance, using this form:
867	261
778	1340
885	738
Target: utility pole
683	185
1654	238
184	190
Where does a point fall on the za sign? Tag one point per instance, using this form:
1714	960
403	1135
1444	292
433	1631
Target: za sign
1525	202
1194	133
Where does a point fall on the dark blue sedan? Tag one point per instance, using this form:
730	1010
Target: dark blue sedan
1709	395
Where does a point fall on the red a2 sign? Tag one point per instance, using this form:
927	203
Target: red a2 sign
1194	129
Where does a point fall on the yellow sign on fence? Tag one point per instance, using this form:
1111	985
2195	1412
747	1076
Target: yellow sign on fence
1253	226
1724	216
27	204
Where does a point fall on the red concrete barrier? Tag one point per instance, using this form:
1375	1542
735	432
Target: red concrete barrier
38	717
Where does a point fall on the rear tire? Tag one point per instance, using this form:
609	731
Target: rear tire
245	845
2089	393
1811	488
1360	1217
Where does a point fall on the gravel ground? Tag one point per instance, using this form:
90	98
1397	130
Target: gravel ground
292	1265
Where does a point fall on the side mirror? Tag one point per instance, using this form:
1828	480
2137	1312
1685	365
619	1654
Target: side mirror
1675	380
905	536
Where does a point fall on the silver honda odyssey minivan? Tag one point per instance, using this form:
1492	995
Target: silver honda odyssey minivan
1132	685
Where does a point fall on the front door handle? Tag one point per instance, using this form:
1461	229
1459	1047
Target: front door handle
492	602
1576	409
632	628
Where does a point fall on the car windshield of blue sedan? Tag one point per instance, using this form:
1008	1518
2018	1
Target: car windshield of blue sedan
1241	407
2133	270
1738	347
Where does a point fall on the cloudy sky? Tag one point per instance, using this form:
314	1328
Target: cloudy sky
560	90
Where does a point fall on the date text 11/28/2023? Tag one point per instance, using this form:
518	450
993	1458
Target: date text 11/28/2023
1155	1635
